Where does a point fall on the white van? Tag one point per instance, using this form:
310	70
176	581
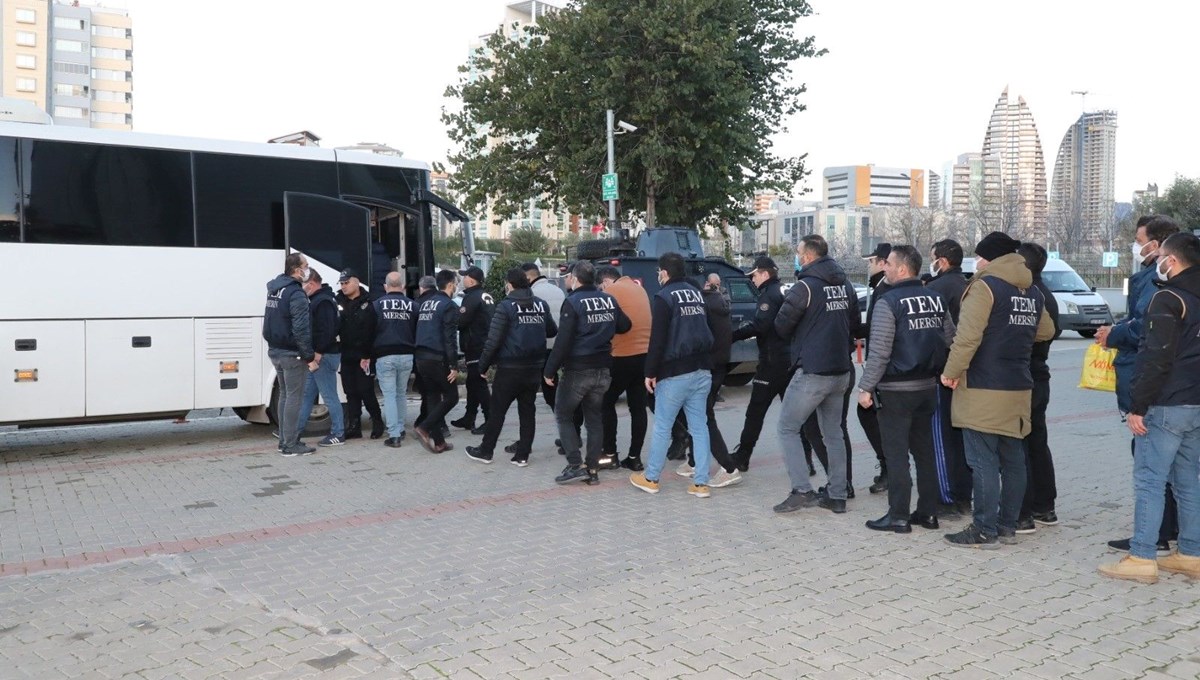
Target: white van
1080	308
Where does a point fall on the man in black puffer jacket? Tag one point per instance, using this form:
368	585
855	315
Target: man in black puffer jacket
325	327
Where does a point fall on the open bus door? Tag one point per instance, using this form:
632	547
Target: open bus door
333	232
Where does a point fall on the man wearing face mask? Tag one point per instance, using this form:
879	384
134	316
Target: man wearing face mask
954	475
287	328
867	418
1164	417
1152	231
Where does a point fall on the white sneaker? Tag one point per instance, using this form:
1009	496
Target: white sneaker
685	470
722	478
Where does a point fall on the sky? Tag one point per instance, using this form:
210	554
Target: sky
905	83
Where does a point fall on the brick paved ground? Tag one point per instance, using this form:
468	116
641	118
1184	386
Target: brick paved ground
158	550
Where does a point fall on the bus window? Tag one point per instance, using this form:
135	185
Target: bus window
379	181
239	199
10	192
108	195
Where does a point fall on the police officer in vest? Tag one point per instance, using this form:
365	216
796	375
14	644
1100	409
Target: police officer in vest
359	385
911	330
583	349
437	356
474	316
287	328
820	315
678	373
771	376
1002	315
516	345
392	329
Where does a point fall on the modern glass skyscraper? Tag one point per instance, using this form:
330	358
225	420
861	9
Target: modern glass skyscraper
1083	187
1012	140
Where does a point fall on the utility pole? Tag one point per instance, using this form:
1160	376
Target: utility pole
614	224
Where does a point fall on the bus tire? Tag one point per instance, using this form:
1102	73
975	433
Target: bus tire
242	412
1088	333
273	405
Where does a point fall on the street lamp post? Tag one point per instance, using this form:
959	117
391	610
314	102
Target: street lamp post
613	222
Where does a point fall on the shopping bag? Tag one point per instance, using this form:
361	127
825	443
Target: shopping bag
1098	371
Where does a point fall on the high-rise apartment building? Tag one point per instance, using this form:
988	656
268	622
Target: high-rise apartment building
1083	187
974	192
1012	138
861	186
74	61
937	199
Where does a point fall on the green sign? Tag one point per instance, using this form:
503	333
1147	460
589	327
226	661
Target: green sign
608	185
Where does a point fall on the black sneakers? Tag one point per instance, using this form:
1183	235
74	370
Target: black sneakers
1047	518
463	423
1026	526
1006	535
609	461
478	456
796	501
633	463
972	537
577	473
479	430
1163	547
836	505
880	484
849	492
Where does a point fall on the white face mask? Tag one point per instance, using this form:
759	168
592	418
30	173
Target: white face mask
304	274
1138	258
933	270
1162	275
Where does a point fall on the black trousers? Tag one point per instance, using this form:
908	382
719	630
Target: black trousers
769	384
716	440
904	419
478	397
1040	491
513	383
439	395
869	421
360	391
581	389
628	377
948	446
812	432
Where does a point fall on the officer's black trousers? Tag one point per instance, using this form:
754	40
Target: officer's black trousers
769	384
478	397
904	419
628	376
439	394
870	425
360	391
1041	491
512	383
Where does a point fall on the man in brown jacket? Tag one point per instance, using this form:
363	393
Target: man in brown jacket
1002	315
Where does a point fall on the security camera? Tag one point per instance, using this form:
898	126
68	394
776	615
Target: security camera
626	126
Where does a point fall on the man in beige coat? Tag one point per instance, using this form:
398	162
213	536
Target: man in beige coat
1002	316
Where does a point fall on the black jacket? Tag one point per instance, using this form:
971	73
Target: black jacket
878	287
951	284
392	326
717	309
473	318
772	350
357	316
325	321
1168	358
587	322
680	339
1038	367
437	327
518	332
287	323
820	315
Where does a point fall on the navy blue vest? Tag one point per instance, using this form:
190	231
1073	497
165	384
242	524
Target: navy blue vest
1002	360
277	318
395	324
596	321
1182	388
821	345
526	338
431	322
688	333
919	348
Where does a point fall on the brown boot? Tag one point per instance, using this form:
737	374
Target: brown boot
1132	568
1187	565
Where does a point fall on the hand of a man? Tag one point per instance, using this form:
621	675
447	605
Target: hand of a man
864	399
1102	335
952	383
453	375
549	381
651	383
1137	424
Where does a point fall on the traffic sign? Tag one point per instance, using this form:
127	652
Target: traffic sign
1053	255
608	185
1109	260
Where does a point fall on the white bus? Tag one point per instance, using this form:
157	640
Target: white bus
134	266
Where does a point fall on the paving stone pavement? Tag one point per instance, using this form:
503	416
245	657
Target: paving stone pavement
162	550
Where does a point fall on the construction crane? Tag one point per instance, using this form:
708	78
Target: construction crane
1082	99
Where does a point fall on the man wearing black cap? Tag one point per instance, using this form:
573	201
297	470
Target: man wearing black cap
474	315
1001	316
773	372
358	384
867	418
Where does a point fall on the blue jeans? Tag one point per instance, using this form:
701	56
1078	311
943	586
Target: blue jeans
393	372
1168	452
689	393
998	478
324	381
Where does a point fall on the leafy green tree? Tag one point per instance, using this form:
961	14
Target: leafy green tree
495	279
527	240
1181	201
707	82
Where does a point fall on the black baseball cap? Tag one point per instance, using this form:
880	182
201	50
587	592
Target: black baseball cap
473	272
348	274
881	251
